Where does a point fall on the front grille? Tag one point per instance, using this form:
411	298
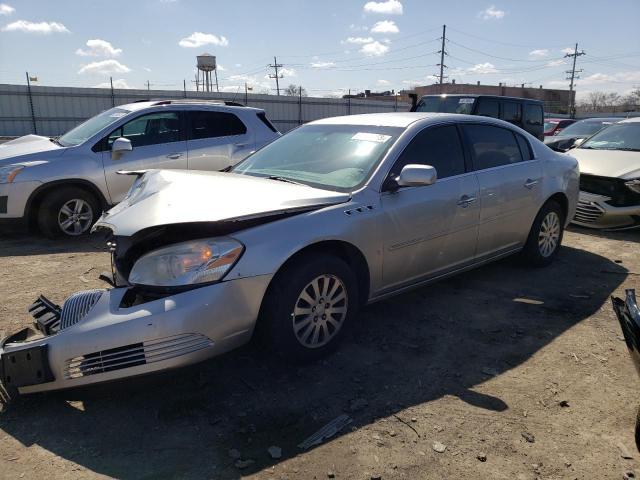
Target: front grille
614	188
587	211
135	354
77	306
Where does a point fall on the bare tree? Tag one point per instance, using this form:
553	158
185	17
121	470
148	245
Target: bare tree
294	90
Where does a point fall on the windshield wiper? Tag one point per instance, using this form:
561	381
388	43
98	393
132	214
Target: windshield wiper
629	149
55	140
283	179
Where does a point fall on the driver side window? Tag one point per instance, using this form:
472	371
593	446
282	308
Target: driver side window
150	129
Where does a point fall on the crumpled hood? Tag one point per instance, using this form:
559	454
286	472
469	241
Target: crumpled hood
165	197
15	151
608	163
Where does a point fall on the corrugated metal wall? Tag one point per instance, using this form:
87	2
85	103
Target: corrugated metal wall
58	109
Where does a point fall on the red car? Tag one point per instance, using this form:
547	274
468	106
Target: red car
554	125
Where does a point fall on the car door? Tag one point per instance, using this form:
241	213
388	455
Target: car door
157	141
430	229
510	186
216	139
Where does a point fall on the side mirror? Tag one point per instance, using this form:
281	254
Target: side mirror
120	145
417	176
577	142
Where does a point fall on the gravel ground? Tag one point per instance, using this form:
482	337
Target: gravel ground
504	372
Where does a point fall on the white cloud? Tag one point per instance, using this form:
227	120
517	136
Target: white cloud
482	68
374	49
359	40
492	13
568	50
539	53
383	83
322	64
388	7
120	83
198	39
146	69
287	72
31	27
99	48
104	67
555	63
385	26
6	9
605	78
220	68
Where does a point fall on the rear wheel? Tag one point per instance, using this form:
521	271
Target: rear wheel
309	306
545	236
69	211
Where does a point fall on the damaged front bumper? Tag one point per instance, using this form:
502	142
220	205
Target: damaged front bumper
97	337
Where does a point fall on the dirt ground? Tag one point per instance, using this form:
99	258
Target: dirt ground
516	373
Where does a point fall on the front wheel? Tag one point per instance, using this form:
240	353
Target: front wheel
309	306
68	211
545	236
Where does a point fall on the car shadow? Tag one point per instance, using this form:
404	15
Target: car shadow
25	244
630	235
444	339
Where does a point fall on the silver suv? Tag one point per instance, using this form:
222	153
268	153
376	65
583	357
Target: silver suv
63	184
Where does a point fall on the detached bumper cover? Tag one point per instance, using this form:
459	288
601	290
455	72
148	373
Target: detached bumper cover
594	210
112	342
628	315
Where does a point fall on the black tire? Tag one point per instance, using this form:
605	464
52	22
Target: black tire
52	204
276	323
533	253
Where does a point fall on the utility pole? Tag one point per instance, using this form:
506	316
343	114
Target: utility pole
276	66
573	71
33	113
148	85
442	53
113	98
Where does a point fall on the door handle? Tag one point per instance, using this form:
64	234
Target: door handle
173	156
530	183
465	201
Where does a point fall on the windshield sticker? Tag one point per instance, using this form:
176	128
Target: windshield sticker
466	100
117	114
371	137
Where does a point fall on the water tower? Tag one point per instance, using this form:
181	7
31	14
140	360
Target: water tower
206	65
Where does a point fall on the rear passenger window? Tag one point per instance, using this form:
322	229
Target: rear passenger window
439	147
488	108
511	112
533	115
525	147
263	118
206	124
492	146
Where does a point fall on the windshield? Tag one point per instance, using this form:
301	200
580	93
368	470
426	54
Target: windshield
548	126
584	129
445	104
622	136
336	157
88	129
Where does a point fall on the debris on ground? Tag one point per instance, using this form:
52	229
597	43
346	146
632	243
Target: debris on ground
439	447
629	476
275	452
624	453
482	457
328	431
529	437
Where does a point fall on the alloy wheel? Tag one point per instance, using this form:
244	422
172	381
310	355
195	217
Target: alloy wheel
549	235
75	217
320	311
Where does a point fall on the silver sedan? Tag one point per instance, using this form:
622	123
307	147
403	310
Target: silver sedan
292	241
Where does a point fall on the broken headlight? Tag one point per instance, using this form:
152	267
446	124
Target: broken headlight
187	263
633	185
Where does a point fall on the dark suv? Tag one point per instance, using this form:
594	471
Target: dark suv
526	113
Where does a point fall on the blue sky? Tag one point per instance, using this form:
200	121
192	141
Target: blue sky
327	46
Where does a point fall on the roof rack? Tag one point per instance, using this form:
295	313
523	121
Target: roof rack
190	100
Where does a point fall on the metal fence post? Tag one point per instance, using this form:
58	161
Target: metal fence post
184	88
300	106
113	98
33	115
349	103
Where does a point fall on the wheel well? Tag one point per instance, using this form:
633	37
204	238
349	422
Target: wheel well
34	202
348	253
561	199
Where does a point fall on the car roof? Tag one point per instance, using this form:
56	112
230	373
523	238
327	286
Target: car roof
480	95
401	119
140	105
600	119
